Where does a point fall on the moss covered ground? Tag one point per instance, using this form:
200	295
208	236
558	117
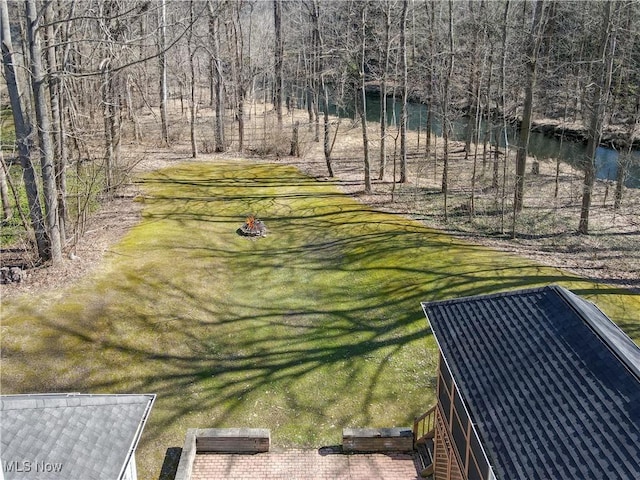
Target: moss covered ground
313	328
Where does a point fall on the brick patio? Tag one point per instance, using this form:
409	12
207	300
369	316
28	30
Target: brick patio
296	464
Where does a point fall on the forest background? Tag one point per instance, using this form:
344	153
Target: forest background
94	89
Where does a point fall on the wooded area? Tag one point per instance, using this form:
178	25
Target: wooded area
83	79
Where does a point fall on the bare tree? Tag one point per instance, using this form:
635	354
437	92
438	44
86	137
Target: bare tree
599	99
383	88
235	45
503	108
162	64
625	156
405	92
446	127
23	137
535	40
192	81
319	43
279	56
472	98
363	99
38	79
214	35
57	121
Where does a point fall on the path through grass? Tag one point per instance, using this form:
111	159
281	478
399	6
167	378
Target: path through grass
313	328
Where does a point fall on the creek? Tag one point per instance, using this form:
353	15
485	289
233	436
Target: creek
540	146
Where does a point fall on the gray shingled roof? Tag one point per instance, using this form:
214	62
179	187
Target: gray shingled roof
91	437
551	384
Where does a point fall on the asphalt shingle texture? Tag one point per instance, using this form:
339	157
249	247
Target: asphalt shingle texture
547	394
84	437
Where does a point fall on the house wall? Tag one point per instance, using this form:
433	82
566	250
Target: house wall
457	450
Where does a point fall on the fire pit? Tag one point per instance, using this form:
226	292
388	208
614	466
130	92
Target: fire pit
252	227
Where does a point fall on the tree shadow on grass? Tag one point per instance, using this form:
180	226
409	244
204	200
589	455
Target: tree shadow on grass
314	328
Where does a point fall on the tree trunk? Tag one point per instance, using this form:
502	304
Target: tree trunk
445	114
316	66
327	144
279	55
503	103
430	81
405	92
214	34
535	40
23	137
472	98
383	92
624	160
363	106
294	151
601	84
111	126
192	81
327	147
7	211
237	71
55	97
44	131
487	109
162	58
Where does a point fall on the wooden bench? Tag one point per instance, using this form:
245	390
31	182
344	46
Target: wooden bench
233	440
398	439
220	440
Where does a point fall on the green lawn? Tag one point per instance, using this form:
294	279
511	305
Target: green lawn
316	327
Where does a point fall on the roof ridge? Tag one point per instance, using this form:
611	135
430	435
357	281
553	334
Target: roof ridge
605	329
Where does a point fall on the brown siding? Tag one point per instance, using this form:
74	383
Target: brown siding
458	441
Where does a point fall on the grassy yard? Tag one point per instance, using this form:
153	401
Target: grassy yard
313	328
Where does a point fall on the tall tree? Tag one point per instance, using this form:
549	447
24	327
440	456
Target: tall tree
386	53
23	137
503	108
624	160
192	82
279	56
601	86
112	29
319	43
162	63
57	122
405	92
446	127
214	36
472	98
535	40
38	85
363	98
235	39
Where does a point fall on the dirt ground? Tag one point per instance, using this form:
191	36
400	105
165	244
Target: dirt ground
545	230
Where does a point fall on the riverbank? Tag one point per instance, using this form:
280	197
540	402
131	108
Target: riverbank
613	136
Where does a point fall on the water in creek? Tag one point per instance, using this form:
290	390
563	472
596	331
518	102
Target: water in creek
540	146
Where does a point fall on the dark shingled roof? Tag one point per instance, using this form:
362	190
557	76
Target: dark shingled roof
91	437
551	384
